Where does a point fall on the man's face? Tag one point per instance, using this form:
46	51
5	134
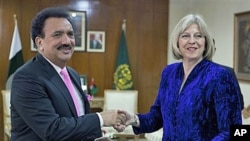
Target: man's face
59	41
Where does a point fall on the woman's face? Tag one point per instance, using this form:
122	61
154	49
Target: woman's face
192	43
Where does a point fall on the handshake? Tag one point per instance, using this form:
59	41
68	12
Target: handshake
119	119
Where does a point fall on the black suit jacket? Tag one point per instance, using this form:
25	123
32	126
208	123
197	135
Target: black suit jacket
231	70
42	108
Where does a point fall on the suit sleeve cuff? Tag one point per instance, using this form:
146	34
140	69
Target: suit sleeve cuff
100	119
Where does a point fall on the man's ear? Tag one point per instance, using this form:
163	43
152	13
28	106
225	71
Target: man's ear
38	42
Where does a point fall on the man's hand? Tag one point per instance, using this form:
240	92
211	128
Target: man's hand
131	119
113	118
119	119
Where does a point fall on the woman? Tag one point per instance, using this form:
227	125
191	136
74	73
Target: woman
197	98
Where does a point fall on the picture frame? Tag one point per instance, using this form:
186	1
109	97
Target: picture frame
242	45
80	22
84	83
96	41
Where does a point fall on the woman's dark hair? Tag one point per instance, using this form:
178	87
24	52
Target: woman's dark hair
39	20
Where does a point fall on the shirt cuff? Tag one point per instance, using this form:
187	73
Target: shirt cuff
100	118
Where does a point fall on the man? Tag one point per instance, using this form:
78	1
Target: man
231	70
96	43
43	106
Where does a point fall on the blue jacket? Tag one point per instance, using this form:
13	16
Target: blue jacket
202	111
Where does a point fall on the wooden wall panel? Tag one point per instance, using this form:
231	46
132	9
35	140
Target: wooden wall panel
146	34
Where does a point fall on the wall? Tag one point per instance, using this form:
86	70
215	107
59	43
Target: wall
219	15
146	33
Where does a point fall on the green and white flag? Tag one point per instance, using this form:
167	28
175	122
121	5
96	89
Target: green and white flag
16	56
122	74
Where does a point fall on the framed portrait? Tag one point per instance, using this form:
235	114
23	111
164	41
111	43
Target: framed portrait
96	41
242	45
80	22
84	83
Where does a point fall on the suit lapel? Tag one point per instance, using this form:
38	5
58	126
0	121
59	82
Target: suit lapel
57	81
76	80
